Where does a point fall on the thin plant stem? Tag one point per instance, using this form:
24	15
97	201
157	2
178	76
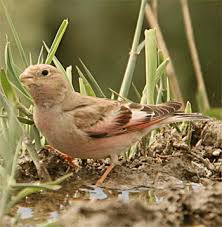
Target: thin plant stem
127	79
6	192
151	63
175	88
194	54
41	169
155	8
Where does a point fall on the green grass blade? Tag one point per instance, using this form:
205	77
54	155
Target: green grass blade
6	86
56	61
160	79
10	111
16	36
22	194
25	120
37	137
17	70
34	188
60	179
118	95
151	63
58	65
13	130
94	83
140	47
88	88
30	59
15	159
21	119
69	73
185	127
36	185
56	41
40	57
112	97
132	151
41	170
163	77
5	195
136	92
128	75
159	92
11	74
28	191
168	90
82	88
160	70
144	95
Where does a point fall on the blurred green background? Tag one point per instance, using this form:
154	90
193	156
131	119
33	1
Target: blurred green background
100	32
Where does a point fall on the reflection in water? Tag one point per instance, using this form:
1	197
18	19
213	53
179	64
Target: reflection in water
144	194
97	193
53	215
25	212
91	193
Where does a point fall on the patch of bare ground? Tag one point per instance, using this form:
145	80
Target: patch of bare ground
179	208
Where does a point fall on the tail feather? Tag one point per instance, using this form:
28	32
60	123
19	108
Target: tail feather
174	118
180	117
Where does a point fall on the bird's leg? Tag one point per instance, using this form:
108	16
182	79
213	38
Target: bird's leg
114	162
65	157
105	174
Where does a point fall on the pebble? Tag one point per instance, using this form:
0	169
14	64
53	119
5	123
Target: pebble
216	152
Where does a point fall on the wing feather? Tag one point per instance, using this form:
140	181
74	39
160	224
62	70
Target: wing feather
122	118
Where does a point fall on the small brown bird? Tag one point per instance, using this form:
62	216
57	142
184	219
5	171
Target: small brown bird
88	127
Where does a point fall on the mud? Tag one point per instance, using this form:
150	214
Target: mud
175	182
179	208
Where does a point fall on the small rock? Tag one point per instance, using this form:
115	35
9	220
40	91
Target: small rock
216	152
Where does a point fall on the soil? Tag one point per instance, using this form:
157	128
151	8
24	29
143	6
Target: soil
200	208
177	181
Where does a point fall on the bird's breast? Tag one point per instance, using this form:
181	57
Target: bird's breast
59	130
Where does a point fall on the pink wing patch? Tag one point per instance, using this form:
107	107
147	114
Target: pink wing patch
131	117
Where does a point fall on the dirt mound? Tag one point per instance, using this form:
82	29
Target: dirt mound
179	208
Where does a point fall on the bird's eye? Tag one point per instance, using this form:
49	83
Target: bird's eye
45	72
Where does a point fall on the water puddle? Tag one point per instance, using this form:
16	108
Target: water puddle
48	205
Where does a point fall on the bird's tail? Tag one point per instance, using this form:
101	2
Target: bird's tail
176	117
180	117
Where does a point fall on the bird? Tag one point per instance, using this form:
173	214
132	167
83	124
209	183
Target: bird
90	127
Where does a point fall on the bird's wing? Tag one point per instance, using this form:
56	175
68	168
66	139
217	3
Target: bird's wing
99	121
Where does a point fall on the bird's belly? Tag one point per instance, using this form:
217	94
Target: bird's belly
80	146
104	147
83	147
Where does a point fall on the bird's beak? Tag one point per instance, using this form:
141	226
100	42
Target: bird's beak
25	77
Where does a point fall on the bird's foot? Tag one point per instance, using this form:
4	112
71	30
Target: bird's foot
105	174
114	162
69	160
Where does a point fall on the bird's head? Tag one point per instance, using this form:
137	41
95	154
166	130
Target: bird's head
46	84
